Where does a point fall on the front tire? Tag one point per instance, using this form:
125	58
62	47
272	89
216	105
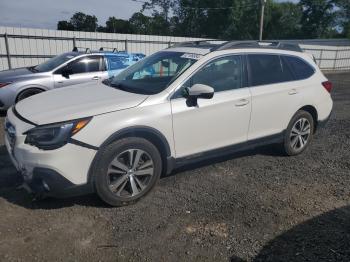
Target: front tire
127	170
299	133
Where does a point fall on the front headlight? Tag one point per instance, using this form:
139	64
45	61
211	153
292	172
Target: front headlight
53	136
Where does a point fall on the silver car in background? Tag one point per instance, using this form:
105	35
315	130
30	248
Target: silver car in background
60	71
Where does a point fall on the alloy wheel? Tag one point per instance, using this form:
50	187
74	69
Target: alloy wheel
300	134
130	173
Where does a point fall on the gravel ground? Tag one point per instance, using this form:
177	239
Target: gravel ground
254	206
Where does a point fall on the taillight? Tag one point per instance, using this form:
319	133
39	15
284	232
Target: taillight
327	85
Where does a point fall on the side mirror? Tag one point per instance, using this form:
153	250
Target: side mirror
66	72
198	91
165	64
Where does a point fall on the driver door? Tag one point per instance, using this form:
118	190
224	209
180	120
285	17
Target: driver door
218	122
87	69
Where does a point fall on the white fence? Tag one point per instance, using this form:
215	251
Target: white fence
21	47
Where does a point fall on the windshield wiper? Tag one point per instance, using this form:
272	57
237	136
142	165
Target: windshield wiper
32	69
119	86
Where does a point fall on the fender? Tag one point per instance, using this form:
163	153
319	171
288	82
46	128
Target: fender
149	133
32	86
137	130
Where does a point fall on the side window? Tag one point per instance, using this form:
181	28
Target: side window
117	63
221	74
164	69
268	69
301	69
85	65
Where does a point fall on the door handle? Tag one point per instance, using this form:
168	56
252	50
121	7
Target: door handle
242	102
293	92
95	78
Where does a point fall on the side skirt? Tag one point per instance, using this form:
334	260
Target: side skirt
179	162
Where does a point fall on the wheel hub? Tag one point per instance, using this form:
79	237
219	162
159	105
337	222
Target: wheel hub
300	134
130	173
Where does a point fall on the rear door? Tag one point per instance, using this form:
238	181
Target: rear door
275	96
217	122
82	70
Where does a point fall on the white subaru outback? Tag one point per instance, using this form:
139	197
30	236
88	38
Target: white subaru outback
186	103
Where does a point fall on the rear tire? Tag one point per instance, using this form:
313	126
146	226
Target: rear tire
126	170
299	133
28	93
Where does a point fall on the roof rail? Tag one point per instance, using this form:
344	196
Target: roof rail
76	49
260	44
198	43
114	50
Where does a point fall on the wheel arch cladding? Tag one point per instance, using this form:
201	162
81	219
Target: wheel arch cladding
313	112
152	135
41	89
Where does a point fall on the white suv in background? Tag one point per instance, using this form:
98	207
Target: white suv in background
189	102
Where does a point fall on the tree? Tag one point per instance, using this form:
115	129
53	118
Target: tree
165	7
84	22
227	19
283	21
155	25
318	17
79	22
140	24
65	25
114	25
243	23
344	17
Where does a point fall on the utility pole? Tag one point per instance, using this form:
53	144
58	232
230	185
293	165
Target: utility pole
263	2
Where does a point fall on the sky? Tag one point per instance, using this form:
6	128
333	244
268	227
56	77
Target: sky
46	13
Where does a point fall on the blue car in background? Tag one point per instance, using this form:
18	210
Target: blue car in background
67	69
118	61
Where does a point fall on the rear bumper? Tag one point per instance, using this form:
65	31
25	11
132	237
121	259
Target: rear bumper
323	123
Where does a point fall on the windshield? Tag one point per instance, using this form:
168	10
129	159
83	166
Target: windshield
54	62
154	73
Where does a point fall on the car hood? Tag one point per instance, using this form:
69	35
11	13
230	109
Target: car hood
76	102
11	75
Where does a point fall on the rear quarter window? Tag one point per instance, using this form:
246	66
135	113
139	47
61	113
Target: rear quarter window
301	69
267	69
